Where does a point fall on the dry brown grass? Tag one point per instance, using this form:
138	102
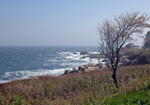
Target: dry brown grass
75	88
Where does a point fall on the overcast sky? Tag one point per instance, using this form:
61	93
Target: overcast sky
59	22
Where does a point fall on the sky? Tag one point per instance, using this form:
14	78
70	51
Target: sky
59	22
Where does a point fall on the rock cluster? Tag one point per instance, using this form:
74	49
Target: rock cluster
91	56
94	56
84	52
86	68
127	61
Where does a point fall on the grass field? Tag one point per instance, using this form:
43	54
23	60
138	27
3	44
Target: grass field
92	88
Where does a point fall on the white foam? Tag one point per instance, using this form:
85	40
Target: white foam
76	56
3	81
94	52
101	60
30	73
67	58
87	59
71	55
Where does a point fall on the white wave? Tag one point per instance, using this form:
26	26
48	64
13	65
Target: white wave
64	53
49	61
101	60
87	59
27	74
76	56
3	81
71	55
94	61
94	52
73	64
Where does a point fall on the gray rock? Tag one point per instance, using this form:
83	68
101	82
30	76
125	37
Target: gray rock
94	55
134	62
86	70
93	68
91	65
84	52
99	64
103	66
147	60
104	60
67	71
125	63
123	58
75	53
81	67
74	69
84	57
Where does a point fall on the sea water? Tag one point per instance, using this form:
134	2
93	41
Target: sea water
25	62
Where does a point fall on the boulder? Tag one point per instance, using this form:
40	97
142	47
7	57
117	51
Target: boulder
81	67
103	66
91	65
75	53
67	71
84	52
74	71
125	63
99	64
86	70
134	62
94	55
147	60
93	68
104	60
123	58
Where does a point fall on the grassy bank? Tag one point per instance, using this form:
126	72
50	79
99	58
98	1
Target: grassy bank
127	98
77	89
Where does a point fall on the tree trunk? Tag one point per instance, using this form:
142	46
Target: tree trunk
115	79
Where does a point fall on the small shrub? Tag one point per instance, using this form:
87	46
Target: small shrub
148	86
17	100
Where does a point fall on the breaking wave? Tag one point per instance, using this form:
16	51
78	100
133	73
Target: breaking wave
8	76
26	62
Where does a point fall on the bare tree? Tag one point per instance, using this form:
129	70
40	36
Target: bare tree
115	33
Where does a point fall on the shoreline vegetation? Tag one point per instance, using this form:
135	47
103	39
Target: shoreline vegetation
94	87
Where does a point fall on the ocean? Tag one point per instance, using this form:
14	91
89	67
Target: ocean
25	62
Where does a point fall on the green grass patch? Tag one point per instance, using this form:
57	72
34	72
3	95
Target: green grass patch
128	98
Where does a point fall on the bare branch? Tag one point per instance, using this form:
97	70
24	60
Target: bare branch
114	34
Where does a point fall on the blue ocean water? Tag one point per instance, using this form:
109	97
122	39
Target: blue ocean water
25	62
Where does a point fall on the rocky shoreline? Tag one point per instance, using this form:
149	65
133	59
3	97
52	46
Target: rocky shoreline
129	57
86	68
91	66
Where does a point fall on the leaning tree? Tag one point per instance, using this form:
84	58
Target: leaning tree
113	34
